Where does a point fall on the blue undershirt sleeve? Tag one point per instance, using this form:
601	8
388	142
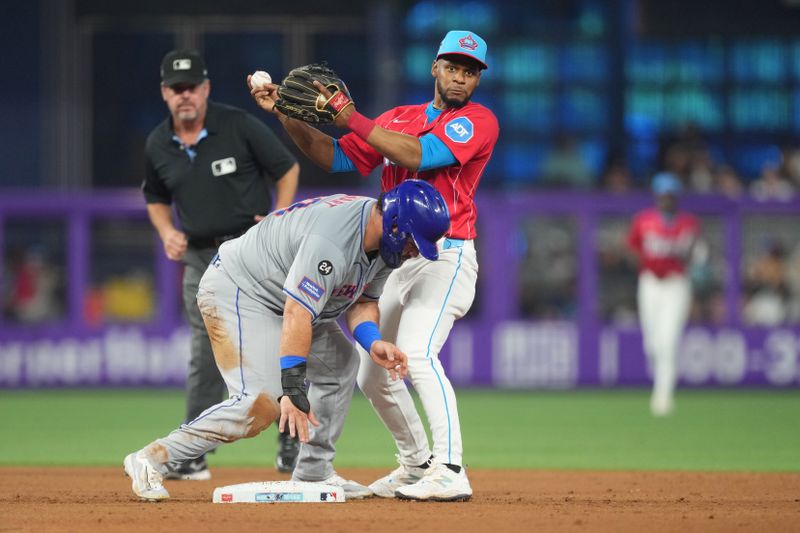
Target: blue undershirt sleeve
341	163
435	153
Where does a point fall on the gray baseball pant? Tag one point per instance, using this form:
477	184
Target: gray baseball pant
204	384
246	336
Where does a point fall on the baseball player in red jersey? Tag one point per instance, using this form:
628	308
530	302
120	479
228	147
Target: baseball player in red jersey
662	237
447	141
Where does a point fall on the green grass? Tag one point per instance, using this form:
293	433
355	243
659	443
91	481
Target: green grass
756	430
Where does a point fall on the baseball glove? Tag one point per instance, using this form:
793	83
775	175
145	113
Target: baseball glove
299	98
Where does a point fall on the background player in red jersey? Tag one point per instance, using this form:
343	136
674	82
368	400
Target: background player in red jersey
663	237
448	142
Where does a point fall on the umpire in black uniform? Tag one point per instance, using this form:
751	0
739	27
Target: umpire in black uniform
213	162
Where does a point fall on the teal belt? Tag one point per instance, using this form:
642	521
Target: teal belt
452	243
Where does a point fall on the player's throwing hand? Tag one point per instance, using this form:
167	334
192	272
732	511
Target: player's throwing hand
265	95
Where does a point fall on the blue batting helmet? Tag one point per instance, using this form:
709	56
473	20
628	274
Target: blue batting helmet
417	211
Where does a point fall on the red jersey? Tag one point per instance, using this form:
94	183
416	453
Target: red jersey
662	244
469	132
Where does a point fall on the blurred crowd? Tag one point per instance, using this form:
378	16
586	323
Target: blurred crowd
688	155
35	291
769	292
34	288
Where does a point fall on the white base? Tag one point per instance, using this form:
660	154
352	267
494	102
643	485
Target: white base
279	492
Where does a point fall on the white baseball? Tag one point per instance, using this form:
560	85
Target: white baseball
260	78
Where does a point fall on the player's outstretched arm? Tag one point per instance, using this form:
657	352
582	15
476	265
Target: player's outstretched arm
317	146
362	319
362	311
294	347
401	149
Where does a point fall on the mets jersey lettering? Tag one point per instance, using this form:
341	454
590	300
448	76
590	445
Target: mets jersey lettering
469	132
334	201
345	291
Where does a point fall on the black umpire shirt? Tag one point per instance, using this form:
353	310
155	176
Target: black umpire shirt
218	185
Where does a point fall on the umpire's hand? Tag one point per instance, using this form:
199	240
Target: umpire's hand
175	243
294	420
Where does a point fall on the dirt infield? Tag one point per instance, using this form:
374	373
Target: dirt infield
99	499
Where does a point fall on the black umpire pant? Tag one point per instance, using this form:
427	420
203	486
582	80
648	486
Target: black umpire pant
204	384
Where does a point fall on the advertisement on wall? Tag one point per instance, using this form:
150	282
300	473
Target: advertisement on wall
507	354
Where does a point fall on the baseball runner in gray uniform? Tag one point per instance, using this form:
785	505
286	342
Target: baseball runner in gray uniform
270	300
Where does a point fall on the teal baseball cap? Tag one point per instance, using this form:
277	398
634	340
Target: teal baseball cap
464	43
666	183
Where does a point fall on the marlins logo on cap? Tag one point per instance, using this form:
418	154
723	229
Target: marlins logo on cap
464	43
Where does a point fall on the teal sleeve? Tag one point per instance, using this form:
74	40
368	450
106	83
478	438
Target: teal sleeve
435	153
341	163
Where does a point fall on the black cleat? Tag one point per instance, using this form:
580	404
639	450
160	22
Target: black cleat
196	470
288	450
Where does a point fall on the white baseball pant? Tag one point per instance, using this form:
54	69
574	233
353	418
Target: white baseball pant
663	313
419	304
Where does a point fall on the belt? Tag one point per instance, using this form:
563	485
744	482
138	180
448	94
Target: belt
452	243
212	242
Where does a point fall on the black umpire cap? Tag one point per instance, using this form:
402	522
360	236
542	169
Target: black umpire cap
183	66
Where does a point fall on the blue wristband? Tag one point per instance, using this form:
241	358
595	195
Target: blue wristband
291	361
366	333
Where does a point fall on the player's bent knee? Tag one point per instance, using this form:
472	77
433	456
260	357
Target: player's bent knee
352	366
424	365
263	412
377	385
368	387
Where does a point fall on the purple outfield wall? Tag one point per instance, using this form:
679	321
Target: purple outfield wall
493	346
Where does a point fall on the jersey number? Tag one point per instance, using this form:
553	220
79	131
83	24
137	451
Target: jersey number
297	205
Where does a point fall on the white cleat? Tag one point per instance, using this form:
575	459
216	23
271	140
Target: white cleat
661	406
145	478
399	477
439	484
353	490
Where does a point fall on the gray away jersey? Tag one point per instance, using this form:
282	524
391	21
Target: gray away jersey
312	252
